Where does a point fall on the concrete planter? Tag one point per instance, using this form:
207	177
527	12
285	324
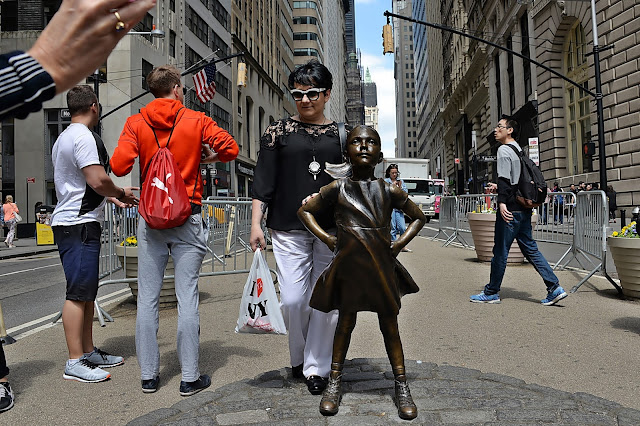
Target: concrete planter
626	257
482	230
168	291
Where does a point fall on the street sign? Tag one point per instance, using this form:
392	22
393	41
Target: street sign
31	180
534	151
487	158
457	161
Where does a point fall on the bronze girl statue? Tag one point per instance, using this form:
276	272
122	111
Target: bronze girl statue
364	274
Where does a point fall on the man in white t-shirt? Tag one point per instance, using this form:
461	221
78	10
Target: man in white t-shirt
80	165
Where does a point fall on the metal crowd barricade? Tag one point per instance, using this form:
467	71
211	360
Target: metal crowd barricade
470	203
556	219
227	224
448	221
589	236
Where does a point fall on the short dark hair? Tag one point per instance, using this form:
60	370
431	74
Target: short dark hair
387	173
162	80
512	123
80	98
313	73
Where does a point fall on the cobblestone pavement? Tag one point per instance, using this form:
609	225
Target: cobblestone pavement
443	394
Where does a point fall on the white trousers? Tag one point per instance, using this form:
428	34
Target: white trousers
301	258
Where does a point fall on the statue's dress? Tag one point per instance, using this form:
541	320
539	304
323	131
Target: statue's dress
364	275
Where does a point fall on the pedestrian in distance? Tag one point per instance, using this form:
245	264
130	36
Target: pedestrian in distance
613	203
398	225
9	209
513	221
80	164
290	164
365	274
558	205
187	134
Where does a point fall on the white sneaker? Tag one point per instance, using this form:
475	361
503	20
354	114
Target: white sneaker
103	359
85	371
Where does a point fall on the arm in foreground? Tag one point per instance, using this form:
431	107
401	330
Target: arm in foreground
306	215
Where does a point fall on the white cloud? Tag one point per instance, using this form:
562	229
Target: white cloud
381	70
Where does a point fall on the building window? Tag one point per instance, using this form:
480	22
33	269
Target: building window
197	25
172	43
195	104
147	67
511	75
222	117
496	66
220	13
223	86
577	100
190	56
306	52
526	76
9	15
146	25
218	43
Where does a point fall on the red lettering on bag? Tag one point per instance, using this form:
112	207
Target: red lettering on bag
259	286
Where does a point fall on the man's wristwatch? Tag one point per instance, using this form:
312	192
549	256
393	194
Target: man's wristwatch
124	193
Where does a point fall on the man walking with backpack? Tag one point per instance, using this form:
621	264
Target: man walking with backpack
167	136
513	221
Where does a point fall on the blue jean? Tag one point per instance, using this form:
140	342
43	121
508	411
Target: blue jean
520	230
398	225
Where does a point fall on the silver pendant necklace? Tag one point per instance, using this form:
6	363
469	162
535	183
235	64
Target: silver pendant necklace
314	166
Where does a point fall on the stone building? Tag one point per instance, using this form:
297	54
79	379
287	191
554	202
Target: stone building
404	74
370	101
480	83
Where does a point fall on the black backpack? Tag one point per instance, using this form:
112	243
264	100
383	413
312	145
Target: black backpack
532	189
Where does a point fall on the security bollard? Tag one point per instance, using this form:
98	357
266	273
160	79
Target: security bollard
6	339
623	218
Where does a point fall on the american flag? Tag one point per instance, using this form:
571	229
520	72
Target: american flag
205	84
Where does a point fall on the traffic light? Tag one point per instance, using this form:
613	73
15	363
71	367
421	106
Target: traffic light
387	39
589	149
216	181
242	74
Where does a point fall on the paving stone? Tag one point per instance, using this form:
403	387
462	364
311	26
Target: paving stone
444	395
242	417
524	414
581	418
154	417
467	416
193	421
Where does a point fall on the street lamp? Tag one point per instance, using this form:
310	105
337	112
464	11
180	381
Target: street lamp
155	33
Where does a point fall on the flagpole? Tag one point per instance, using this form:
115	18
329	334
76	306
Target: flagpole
189	70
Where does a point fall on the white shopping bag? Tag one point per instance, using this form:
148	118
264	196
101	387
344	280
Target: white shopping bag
259	307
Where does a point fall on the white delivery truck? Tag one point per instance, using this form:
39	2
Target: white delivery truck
414	172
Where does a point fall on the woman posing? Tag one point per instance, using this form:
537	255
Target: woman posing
293	152
10	209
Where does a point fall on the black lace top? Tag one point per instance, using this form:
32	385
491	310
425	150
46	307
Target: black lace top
282	178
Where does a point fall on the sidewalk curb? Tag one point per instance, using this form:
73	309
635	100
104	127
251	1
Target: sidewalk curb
23	253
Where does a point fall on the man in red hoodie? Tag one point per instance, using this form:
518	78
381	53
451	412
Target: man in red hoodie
193	134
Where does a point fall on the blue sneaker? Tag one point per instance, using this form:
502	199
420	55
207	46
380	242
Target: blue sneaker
485	298
554	296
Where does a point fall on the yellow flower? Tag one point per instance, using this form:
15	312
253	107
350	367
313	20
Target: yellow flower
615	233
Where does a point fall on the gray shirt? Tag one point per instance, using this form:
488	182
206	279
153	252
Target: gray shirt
509	163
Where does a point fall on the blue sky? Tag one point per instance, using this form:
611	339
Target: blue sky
369	22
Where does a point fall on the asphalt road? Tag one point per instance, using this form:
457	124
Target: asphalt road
32	289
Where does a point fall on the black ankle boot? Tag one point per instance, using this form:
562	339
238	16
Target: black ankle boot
330	402
407	409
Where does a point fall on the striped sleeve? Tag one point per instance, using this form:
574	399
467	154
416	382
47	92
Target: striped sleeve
24	85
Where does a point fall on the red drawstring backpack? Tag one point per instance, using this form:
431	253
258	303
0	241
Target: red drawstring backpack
164	202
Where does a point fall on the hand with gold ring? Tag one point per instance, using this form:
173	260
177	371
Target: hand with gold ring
82	34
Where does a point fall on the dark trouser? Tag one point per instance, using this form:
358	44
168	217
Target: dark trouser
4	371
520	230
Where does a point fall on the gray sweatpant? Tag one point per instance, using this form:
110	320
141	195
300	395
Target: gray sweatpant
187	244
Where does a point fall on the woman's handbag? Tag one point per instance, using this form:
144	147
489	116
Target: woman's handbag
259	307
17	217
